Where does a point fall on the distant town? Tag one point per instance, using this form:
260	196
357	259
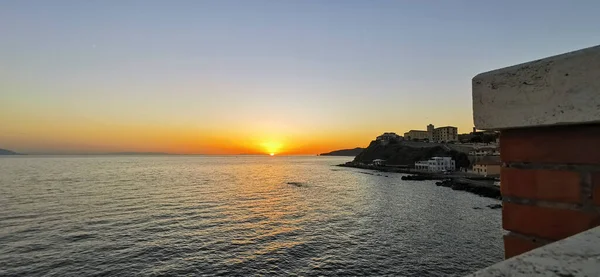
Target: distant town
434	150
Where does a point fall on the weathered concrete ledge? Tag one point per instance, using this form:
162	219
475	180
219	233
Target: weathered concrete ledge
558	90
575	256
548	114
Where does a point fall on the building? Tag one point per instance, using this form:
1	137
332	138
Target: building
441	134
485	151
378	162
436	164
422	165
430	131
388	137
487	168
416	134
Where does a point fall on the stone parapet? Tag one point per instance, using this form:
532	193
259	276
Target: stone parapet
576	256
559	90
548	114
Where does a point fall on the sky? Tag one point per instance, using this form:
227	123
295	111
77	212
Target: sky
254	76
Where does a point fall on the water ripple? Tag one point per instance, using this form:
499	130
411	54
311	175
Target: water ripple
240	216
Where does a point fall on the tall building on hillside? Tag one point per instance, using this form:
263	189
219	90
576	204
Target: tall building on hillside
430	130
441	134
416	134
444	134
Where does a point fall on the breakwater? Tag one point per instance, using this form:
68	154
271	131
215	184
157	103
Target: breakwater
482	186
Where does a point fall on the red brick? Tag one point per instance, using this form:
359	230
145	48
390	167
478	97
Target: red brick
557	144
517	245
547	223
596	187
551	185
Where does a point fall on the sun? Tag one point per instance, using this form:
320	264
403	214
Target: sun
271	147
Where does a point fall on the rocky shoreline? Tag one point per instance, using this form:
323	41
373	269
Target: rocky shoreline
484	190
477	185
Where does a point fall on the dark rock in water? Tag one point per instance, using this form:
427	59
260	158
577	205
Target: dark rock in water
298	184
485	191
494	206
416	178
479	187
446	183
368	173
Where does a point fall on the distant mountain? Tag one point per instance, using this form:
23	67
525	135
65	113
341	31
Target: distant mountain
7	152
138	153
344	152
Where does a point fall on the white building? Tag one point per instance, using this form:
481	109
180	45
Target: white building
436	164
378	162
422	165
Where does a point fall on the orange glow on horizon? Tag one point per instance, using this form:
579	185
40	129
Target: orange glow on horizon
58	133
271	147
78	137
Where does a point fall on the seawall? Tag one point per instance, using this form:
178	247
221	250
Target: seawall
481	186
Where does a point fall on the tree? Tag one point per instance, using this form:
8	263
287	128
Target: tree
489	138
476	139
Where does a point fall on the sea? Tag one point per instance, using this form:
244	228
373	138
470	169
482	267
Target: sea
234	216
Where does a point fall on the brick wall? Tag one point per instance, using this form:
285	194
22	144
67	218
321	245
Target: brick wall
550	182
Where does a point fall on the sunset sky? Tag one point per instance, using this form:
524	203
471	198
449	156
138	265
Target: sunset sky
252	76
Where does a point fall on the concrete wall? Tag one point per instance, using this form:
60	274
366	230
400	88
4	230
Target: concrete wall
573	257
548	114
558	90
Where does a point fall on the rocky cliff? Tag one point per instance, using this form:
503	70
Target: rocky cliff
7	152
407	153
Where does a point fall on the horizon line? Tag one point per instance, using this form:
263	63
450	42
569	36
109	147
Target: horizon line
151	154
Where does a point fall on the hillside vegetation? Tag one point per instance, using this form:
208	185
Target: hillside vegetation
406	153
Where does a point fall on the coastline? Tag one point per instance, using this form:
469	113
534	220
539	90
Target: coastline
482	186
